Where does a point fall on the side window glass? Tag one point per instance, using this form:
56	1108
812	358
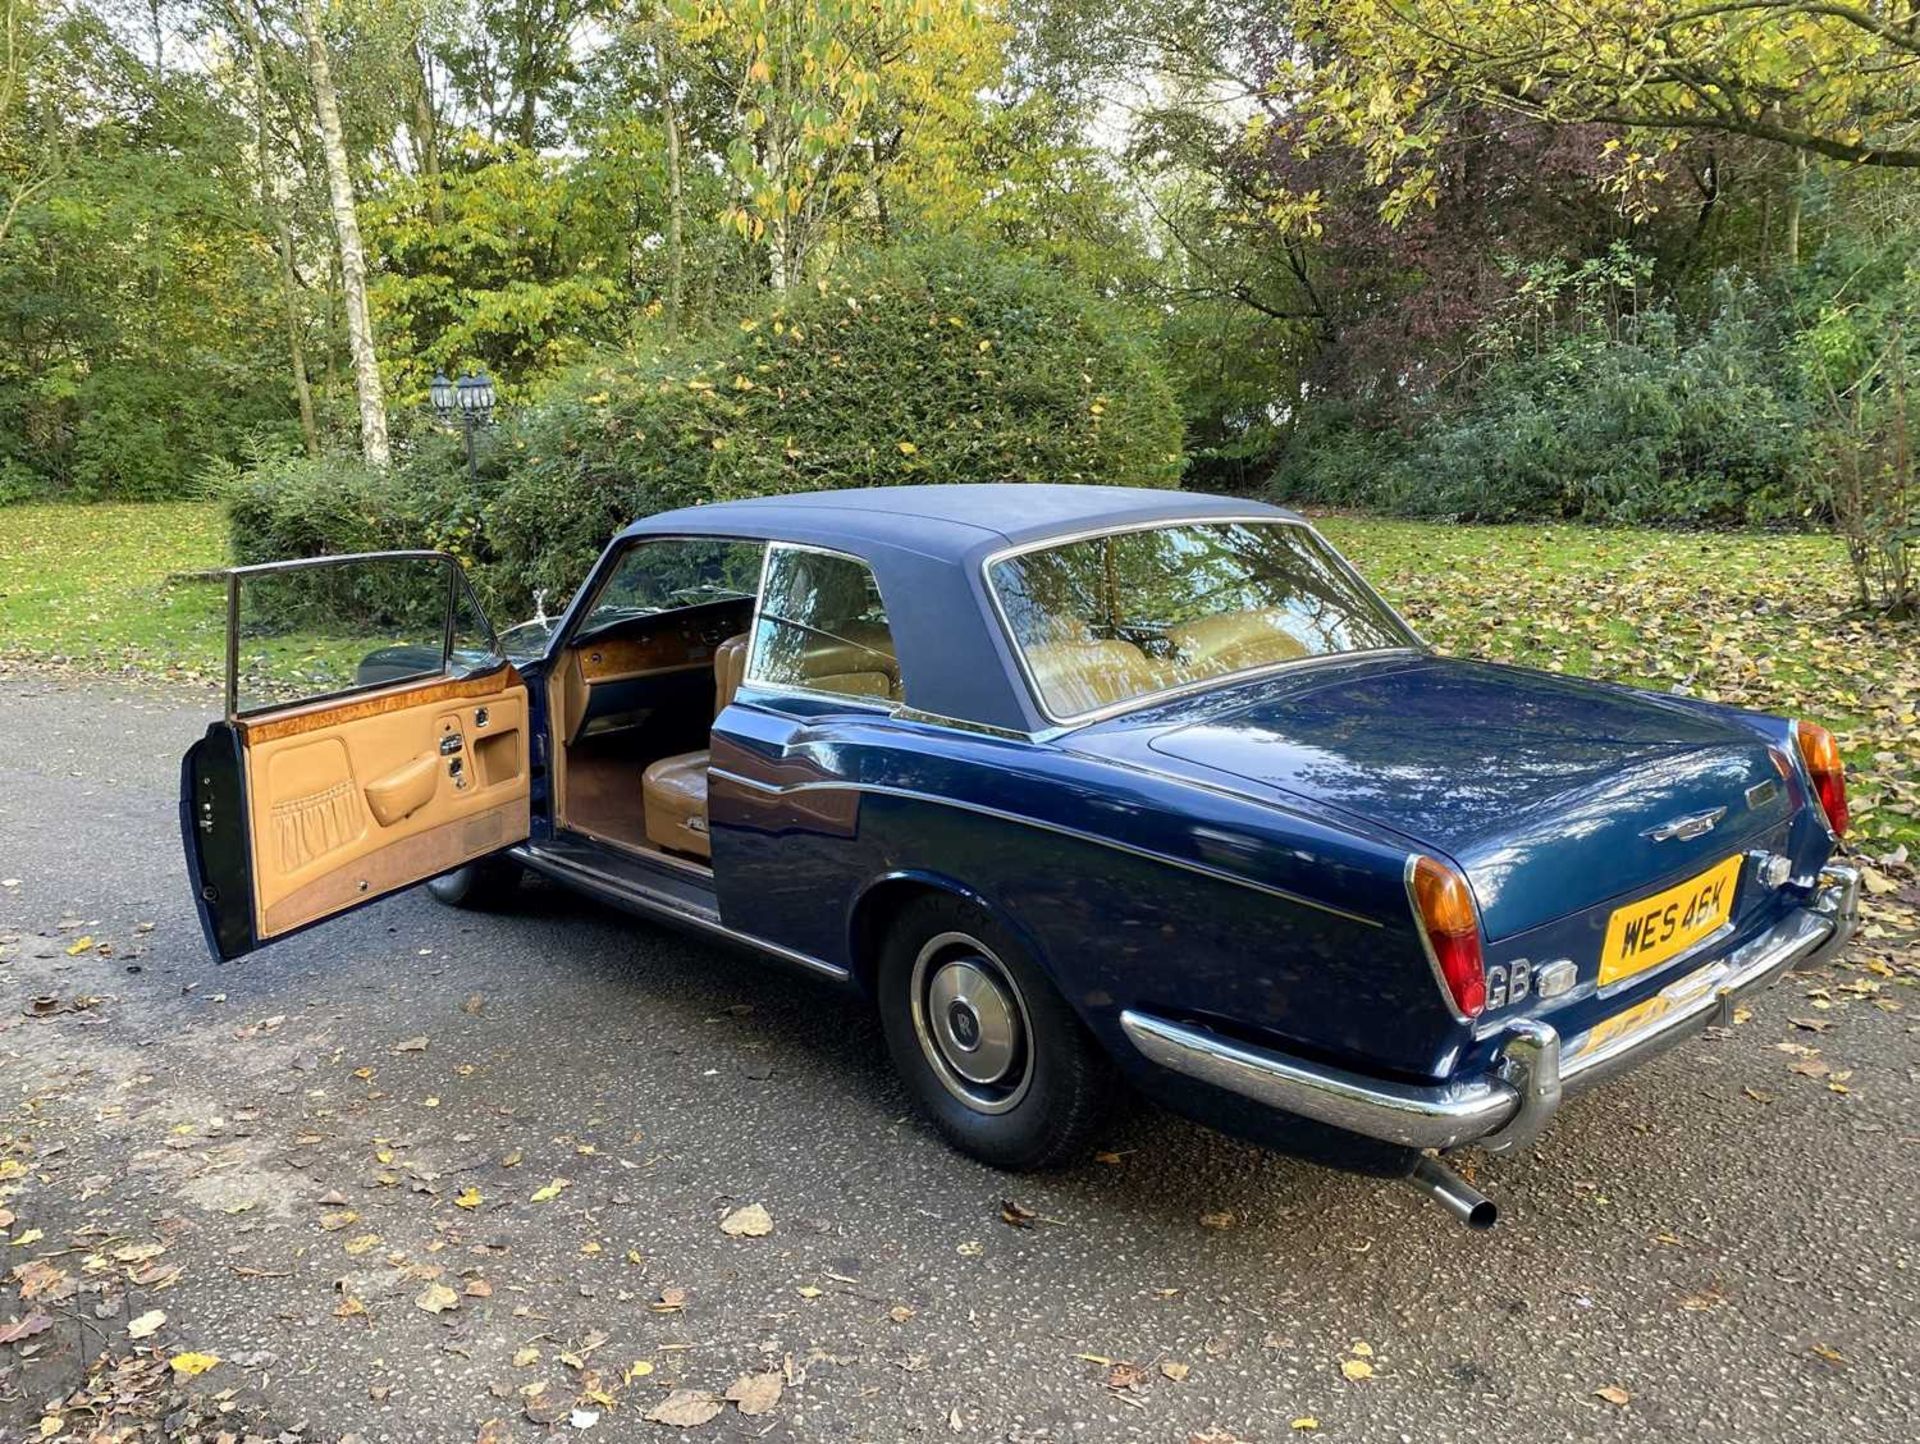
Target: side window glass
306	631
475	647
675	572
823	627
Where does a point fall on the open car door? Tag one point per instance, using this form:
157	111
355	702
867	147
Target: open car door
374	737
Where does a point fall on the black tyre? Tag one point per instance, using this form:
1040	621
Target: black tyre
480	886
991	1052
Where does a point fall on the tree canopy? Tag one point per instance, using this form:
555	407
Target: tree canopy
1374	241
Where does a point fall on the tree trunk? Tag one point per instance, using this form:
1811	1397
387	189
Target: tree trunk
1793	208
778	257
272	216
676	194
426	134
353	257
296	347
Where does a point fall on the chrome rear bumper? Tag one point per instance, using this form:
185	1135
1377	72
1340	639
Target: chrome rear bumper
1507	1106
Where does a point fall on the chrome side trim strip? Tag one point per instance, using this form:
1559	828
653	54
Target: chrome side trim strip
880	790
1414	1116
620	891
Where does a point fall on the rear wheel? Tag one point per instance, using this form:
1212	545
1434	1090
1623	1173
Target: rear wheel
480	886
991	1052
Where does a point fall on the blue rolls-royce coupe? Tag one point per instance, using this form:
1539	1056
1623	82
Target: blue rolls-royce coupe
1071	782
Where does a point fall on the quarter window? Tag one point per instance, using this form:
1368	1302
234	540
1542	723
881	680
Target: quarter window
822	627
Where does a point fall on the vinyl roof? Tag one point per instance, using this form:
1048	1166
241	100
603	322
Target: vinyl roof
926	546
956	518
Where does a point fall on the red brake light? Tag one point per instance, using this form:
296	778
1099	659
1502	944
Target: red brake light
1820	754
1444	909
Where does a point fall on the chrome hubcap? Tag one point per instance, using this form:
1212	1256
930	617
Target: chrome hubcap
971	1022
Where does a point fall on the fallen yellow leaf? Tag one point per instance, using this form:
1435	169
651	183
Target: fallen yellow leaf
190	1364
753	1221
147	1323
468	1198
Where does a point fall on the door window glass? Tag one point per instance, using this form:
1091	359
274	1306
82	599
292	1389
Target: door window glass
314	629
823	627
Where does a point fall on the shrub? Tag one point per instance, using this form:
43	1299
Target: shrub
1859	349
130	431
923	364
1637	424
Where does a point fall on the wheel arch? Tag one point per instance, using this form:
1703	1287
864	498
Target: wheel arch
881	901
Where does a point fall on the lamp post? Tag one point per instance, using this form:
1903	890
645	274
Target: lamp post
471	398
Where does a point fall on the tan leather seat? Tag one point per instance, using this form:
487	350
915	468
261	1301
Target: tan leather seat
1235	640
674	789
1078	677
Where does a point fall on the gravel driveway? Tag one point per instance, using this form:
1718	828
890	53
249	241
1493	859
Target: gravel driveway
436	1176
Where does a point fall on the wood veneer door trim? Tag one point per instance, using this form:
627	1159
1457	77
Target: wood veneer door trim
331	712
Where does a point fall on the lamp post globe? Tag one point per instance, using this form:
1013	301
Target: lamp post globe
471	399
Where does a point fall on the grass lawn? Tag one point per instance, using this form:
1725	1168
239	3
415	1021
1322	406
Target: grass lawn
109	588
1753	620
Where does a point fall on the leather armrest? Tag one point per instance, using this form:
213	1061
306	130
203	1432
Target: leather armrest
403	792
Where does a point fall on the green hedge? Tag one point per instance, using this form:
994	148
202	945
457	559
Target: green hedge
1654	427
926	363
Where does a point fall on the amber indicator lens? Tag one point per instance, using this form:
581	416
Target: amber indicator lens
1445	910
1821	755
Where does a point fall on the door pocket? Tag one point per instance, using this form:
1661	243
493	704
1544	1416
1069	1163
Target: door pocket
308	828
496	757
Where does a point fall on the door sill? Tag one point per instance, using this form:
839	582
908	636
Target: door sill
629	880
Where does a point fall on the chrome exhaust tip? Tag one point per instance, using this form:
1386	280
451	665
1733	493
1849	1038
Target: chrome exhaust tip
1454	1193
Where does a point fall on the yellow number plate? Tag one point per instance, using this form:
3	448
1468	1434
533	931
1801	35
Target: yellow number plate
1645	934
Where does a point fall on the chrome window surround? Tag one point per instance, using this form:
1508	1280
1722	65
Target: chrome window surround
456	583
563	637
760	684
1202	684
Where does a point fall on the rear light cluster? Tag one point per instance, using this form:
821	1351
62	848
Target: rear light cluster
1820	755
1444	909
